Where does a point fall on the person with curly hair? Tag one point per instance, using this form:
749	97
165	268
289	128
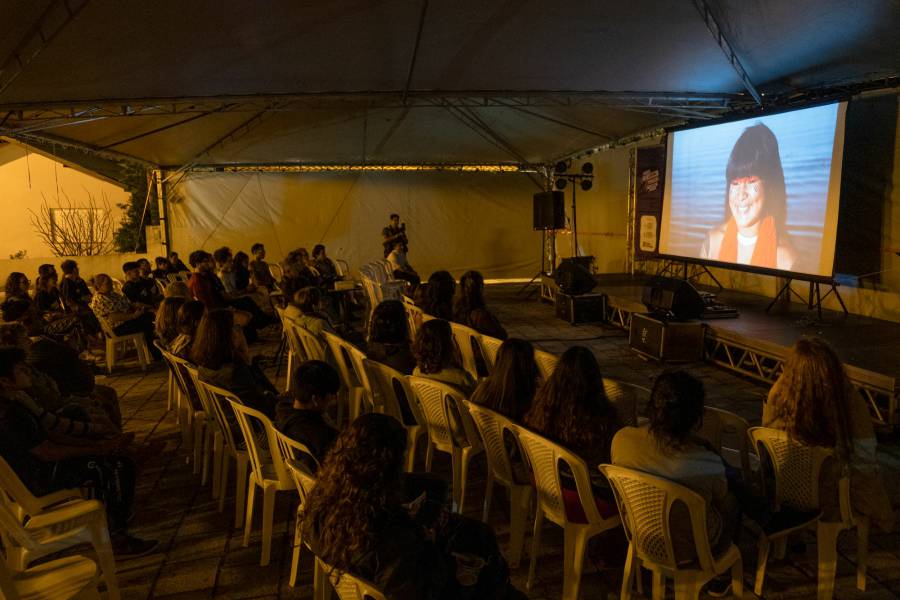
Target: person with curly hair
814	402
365	516
388	341
17	285
437	299
510	388
469	308
437	357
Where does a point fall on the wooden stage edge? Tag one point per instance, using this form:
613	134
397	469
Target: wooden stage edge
756	343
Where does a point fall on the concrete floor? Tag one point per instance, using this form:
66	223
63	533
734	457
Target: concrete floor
202	556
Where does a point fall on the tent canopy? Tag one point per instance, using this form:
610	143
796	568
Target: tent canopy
179	83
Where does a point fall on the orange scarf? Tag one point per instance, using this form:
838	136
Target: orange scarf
764	253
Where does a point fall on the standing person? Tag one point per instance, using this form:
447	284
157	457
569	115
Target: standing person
139	289
259	267
400	266
814	402
393	233
176	263
120	316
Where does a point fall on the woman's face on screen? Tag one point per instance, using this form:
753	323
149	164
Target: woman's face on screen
746	197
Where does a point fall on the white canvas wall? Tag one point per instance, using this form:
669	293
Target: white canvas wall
456	221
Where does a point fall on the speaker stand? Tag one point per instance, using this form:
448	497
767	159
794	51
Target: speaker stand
814	299
548	246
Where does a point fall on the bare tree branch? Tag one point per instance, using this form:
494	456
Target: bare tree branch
71	229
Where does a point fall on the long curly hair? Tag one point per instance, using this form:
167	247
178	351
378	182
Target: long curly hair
13	283
511	387
811	396
434	347
469	296
350	503
675	409
572	408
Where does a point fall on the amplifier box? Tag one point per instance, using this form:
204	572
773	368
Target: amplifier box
654	337
585	308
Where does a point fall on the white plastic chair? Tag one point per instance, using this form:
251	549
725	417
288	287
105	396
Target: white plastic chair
646	502
415	316
450	430
352	381
385	385
54	523
720	425
494	428
192	421
115	343
545	458
219	400
276	272
466	340
293	453
546	363
797	468
350	587
625	397
268	473
296	350
489	348
207	436
313	347
73	577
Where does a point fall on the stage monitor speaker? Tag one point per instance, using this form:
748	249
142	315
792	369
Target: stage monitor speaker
657	338
573	277
675	298
549	210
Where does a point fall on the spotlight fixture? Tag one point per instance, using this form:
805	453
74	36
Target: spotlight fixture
561	167
561	183
586	184
587	168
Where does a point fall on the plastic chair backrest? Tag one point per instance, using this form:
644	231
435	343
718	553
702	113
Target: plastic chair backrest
489	348
13	490
276	272
11	527
313	347
246	418
719	424
183	378
492	426
440	403
293	453
415	316
546	363
340	350
796	467
219	400
465	337
646	502
385	384
625	397
342	267
295	344
350	587
201	395
303	479
545	458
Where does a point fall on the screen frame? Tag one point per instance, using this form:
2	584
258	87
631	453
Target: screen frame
840	132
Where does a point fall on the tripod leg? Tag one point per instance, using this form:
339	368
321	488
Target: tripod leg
778	295
840	300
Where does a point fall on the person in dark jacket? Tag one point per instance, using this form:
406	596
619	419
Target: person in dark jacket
315	386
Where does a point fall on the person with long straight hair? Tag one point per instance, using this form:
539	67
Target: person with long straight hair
510	388
437	357
814	402
388	341
167	320
470	310
437	298
367	517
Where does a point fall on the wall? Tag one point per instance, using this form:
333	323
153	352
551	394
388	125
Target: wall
455	220
27	180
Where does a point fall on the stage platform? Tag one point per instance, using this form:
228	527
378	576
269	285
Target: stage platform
756	342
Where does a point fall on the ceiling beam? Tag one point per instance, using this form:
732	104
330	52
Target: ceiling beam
415	52
716	30
85	147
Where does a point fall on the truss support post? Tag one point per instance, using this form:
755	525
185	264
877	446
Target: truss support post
159	178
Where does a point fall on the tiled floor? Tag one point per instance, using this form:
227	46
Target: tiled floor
201	554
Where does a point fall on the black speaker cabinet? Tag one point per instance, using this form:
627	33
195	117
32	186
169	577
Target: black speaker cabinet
549	210
664	340
585	308
674	297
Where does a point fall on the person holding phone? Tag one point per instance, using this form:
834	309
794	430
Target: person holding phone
393	233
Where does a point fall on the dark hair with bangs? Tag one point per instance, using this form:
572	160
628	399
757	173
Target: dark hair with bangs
755	154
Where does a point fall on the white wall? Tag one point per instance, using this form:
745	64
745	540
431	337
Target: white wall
28	179
456	221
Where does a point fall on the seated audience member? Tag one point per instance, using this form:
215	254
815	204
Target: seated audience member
145	268
298	272
510	389
436	356
47	298
167	320
571	408
389	342
259	267
17	286
220	352
178	289
119	315
47	462
667	447
176	264
163	269
46	269
139	289
324	265
438	301
91	404
66	327
365	516
208	289
247	284
814	402
73	289
315	387
225	269
400	266
469	308
189	315
305	311
241	269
